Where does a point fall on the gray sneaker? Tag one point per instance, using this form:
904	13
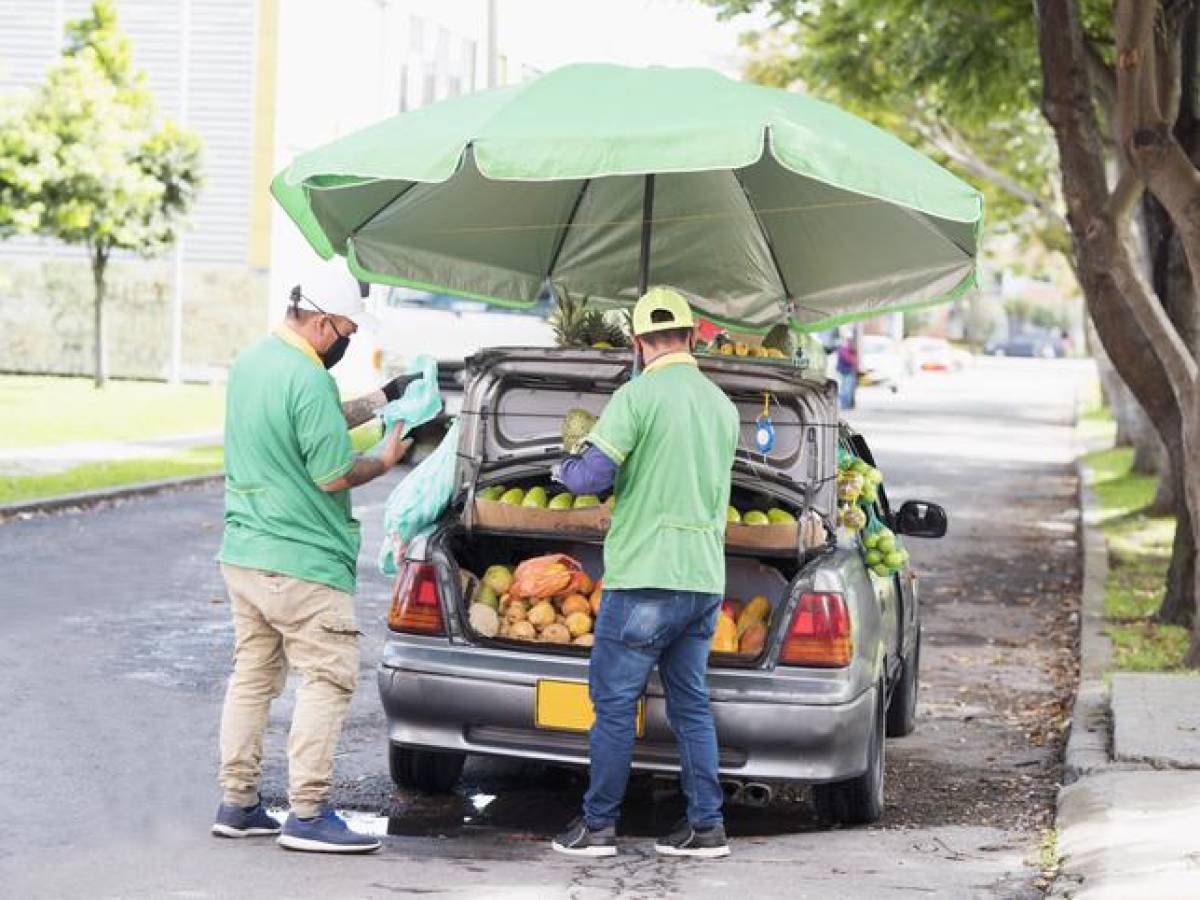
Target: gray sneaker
579	840
687	840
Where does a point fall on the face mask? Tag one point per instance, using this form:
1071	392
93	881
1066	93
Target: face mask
337	349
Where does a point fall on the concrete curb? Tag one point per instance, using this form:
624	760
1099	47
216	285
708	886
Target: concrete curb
1088	742
91	499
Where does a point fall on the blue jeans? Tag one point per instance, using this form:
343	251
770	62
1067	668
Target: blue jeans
847	384
634	631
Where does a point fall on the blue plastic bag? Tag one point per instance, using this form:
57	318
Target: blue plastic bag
417	502
421	400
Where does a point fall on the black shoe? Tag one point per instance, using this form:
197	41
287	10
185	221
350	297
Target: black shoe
684	840
579	840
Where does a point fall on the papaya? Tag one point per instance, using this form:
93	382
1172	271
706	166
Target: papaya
757	610
753	640
724	639
544	576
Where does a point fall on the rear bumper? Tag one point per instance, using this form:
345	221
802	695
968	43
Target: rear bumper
762	741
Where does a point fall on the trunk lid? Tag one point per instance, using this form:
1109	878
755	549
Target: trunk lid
515	400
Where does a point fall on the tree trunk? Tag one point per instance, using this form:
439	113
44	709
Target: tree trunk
1178	606
1120	306
99	262
1148	79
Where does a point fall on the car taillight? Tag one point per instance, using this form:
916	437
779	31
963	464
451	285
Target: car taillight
819	634
416	605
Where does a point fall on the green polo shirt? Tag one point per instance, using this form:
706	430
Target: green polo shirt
673	434
284	436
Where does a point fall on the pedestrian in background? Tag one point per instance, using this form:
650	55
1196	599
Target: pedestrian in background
289	557
847	369
666	441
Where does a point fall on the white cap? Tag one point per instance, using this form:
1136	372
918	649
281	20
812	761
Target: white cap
340	300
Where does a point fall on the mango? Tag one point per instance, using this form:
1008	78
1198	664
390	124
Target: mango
513	496
579	623
755	517
586	501
575	603
732	515
777	516
594	600
495	492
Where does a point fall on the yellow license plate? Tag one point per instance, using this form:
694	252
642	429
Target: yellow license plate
565	706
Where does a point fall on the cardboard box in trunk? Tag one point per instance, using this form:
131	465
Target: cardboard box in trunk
762	537
507	517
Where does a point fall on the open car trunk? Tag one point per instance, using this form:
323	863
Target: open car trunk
513	407
468	554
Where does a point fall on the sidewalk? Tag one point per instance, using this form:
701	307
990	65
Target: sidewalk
1129	816
53	458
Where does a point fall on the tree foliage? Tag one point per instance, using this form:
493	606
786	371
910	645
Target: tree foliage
960	81
84	160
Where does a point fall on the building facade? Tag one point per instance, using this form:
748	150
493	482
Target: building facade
260	81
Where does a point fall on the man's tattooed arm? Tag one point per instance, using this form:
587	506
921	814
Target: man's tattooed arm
362	409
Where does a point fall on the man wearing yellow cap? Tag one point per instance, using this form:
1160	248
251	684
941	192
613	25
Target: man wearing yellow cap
666	444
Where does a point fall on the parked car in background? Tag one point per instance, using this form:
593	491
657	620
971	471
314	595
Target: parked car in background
934	354
1036	344
882	361
450	328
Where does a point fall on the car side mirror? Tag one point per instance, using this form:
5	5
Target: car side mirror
918	518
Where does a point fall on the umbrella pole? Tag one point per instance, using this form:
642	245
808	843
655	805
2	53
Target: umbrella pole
647	217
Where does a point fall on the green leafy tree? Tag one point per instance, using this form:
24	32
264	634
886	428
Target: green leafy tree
998	90
84	160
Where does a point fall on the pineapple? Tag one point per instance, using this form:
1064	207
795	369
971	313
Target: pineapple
577	326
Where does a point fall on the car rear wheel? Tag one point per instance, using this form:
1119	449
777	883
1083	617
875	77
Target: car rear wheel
857	801
429	771
902	711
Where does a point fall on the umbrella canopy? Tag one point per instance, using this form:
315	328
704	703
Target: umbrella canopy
763	205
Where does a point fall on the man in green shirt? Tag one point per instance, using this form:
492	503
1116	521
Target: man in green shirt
666	442
289	556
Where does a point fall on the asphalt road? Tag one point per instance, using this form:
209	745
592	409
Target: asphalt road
116	641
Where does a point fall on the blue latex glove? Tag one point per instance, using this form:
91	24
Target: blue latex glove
421	400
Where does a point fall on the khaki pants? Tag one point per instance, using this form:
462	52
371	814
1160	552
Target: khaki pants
281	622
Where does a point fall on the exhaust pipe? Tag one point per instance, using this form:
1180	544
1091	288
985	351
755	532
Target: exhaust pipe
755	793
732	790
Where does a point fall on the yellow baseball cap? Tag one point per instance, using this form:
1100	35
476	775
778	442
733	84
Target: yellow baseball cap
661	299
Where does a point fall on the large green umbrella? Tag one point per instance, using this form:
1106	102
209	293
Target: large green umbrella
763	205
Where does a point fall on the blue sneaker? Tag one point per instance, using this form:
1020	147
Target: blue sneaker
326	833
244	821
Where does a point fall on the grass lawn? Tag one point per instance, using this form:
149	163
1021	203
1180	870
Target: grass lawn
201	461
1139	551
37	410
